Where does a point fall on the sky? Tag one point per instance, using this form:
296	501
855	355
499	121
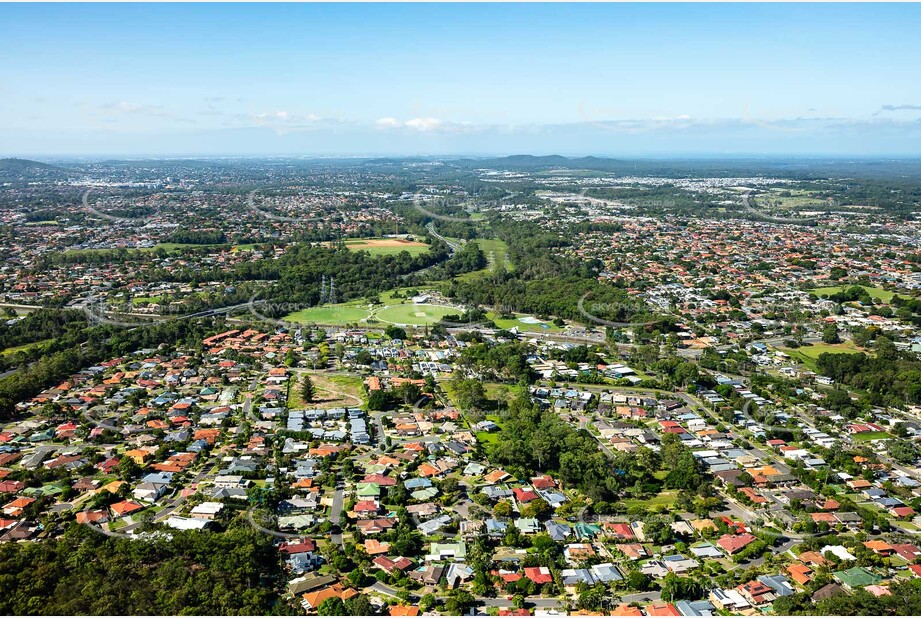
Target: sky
470	79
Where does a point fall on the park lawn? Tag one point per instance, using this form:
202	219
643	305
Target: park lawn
386	246
412	314
397	296
875	293
871	435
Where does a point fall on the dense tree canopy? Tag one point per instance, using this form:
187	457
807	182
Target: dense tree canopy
197	573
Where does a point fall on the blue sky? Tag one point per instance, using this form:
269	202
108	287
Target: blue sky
622	79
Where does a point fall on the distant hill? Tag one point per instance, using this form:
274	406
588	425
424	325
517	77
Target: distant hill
784	167
24	165
12	170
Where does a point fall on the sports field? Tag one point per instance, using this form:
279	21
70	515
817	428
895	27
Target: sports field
414	315
345	313
386	246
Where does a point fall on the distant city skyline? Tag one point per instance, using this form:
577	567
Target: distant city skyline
463	79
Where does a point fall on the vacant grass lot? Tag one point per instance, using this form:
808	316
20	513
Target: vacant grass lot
871	435
808	354
666	498
875	293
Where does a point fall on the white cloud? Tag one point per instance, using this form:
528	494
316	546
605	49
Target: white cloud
424	124
430	125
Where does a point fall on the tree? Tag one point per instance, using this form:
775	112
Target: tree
469	394
592	598
127	468
364	358
332	606
638	581
503	509
378	400
308	391
427	602
408	392
459	602
538	509
678	588
359	606
830	333
356	578
395	332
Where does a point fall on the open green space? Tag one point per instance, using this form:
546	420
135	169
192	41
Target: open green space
343	313
508	324
496	252
875	293
386	246
666	498
24	347
393	303
808	354
414	315
796	199
169	247
871	435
